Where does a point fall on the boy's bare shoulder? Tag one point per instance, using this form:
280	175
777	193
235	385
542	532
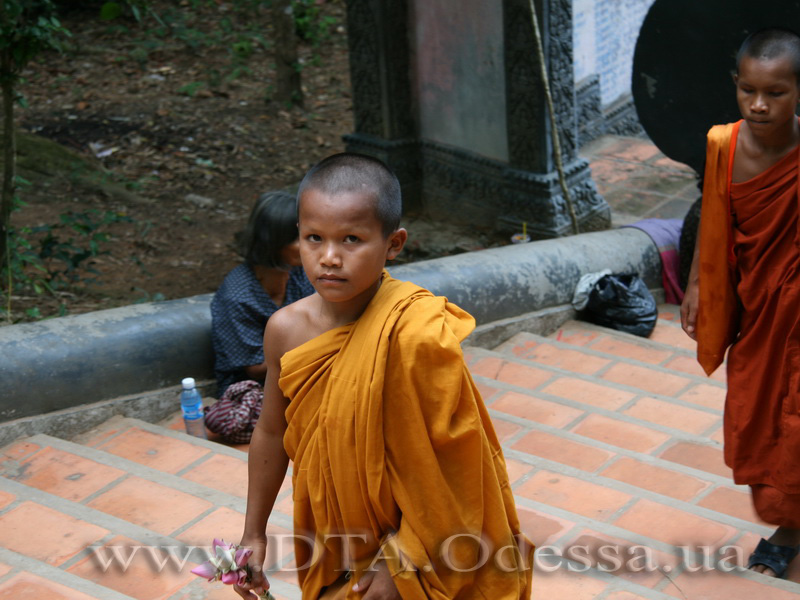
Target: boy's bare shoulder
288	326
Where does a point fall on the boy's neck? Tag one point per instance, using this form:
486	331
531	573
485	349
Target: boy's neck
780	142
337	314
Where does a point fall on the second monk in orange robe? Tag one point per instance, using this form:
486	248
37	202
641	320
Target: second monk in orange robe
744	287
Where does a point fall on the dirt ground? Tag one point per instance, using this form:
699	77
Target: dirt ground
194	141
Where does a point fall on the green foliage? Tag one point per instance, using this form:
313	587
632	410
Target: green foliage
114	10
56	256
26	28
110	11
190	89
177	23
310	25
65	248
242	49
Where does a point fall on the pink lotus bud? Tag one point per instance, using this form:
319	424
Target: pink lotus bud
230	577
242	556
206	570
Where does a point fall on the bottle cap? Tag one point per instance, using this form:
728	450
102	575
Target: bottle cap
188	383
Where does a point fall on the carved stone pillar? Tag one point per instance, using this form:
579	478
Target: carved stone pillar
379	74
533	193
491	163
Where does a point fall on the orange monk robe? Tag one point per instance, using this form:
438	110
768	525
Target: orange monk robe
717	316
753	227
391	442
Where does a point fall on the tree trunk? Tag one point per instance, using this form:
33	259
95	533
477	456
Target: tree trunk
287	87
9	153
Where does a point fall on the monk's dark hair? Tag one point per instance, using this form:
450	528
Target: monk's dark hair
349	172
271	227
773	42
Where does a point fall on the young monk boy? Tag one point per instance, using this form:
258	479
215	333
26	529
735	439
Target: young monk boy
400	487
744	288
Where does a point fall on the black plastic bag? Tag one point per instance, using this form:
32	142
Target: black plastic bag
622	301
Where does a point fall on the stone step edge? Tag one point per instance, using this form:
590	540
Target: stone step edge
543	464
75	420
621	335
675	309
655	461
116	527
121	527
215	497
581	523
596	525
523	335
637	394
133	531
565	469
123	421
20	562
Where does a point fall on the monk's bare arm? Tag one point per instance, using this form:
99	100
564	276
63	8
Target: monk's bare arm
257	372
267	460
692	295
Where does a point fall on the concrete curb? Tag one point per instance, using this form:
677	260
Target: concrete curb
55	364
72	361
500	283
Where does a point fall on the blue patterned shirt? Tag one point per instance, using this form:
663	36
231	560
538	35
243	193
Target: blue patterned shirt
239	313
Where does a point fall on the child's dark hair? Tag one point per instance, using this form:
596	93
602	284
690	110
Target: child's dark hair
271	227
349	172
773	42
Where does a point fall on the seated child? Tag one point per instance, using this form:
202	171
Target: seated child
399	483
269	277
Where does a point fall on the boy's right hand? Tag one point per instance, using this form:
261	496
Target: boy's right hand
258	584
689	309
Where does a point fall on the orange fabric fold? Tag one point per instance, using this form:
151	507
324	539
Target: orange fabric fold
393	446
762	411
749	295
717	315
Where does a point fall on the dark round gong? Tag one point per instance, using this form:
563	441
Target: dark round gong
682	66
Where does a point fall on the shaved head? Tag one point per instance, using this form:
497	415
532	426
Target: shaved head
768	44
349	172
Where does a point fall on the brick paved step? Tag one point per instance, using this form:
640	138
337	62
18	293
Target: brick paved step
134	484
581	446
694	412
130	484
589	464
551	426
666	339
668	345
614	356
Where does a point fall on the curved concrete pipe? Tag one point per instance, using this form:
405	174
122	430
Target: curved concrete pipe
65	362
505	282
70	361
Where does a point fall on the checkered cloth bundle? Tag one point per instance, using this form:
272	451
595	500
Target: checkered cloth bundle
234	415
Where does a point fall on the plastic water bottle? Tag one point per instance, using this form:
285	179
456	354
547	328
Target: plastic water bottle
192	407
